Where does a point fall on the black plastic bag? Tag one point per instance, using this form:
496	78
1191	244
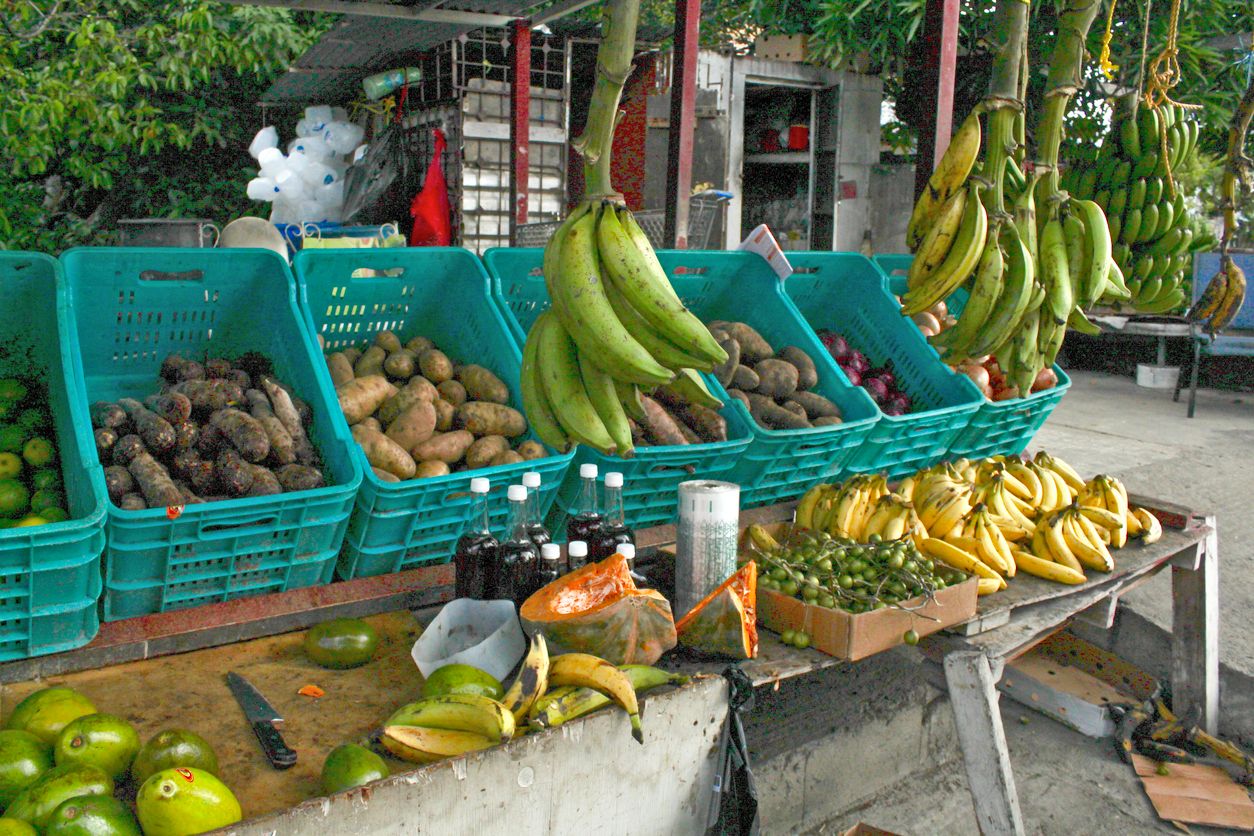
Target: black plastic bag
368	179
737	794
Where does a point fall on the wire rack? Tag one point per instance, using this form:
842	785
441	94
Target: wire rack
704	210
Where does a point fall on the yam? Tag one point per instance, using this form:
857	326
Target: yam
105	439
753	348
482	385
118	481
807	374
435	365
210	442
745	378
816	406
384	476
107	415
282	448
217	368
507	457
827	421
660	427
127	448
453	392
531	450
484	450
154	481
400	365
341	370
299	477
419	344
244	432
776	378
371	423
198	472
431	469
483	418
444	414
132	502
447	447
707	423
156	432
413	426
208	396
174	407
387	341
371	362
417	389
724	371
360	397
383	452
240	378
265	483
234	476
772	416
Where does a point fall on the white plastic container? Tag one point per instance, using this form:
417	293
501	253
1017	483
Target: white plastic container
1157	377
485	634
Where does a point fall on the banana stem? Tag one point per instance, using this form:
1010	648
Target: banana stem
1237	166
613	68
1066	76
1005	96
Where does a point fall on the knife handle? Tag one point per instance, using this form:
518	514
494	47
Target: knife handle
272	743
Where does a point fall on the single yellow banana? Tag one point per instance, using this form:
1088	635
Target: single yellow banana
531	682
587	671
1066	471
947	178
986	586
932	251
419	744
1152	528
805	508
1104	517
962	258
458	712
1057	544
1047	569
959	559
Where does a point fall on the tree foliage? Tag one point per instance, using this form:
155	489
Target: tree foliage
117	108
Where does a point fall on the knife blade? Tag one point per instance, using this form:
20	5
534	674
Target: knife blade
264	719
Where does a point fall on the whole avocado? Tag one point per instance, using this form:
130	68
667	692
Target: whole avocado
341	643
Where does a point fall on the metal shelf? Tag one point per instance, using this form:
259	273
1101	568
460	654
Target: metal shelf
780	157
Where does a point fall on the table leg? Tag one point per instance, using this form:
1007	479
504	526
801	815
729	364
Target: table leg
973	694
1197	360
1162	351
1195	636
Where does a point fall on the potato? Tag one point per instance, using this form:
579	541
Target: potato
435	365
828	421
485	449
772	416
753	348
371	423
745	378
482	385
447	447
383	452
400	365
453	392
339	367
531	450
417	389
371	362
483	418
776	378
361	396
298	477
414	425
507	457
807	374
660	427
387	341
383	475
727	369
427	470
419	344
740	396
815	405
444	414
352	355
795	408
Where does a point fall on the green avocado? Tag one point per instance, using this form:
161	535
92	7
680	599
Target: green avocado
92	815
37	802
350	765
341	643
170	748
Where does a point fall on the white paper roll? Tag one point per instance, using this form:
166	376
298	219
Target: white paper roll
705	551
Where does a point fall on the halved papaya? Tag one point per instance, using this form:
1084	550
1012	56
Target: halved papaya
597	609
725	621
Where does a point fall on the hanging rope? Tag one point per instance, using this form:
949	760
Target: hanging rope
1163	75
1108	68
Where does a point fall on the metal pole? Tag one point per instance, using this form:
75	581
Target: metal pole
940	46
519	123
683	121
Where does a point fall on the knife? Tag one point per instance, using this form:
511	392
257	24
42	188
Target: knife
265	721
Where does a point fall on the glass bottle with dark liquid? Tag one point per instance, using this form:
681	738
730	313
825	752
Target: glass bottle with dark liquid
535	526
613	531
550	564
576	554
517	558
586	521
475	554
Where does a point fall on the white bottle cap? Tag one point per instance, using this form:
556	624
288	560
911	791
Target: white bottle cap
551	551
578	548
613	480
627	550
517	493
480	484
531	479
587	471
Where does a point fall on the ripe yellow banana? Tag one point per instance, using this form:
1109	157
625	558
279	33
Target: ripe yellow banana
568	702
531	682
1047	569
961	259
1066	471
419	744
805	508
1103	516
1085	544
587	671
1055	544
458	712
939	240
986	586
959	559
947	179
1027	475
1152	529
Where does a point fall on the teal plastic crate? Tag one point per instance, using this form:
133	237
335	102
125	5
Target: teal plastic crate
651	478
441	293
131	308
49	574
998	427
845	293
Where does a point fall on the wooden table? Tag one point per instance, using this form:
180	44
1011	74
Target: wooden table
1013	621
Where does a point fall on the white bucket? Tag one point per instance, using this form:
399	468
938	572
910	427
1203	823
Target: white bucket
1157	377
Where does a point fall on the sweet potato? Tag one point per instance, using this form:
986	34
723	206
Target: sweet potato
105	439
154	481
383	452
210	442
444	414
360	397
419	344
126	448
282	448
744	378
265	483
453	392
531	450
507	457
339	367
172	406
400	365
198	472
776	378
107	415
208	396
772	416
384	476
431	469
234	475
689	434
244	432
660	427
156	432
132	502
240	378
484	450
447	447
413	426
753	348
299	477
216	368
387	341
483	418
816	406
178	369
807	374
482	385
435	366
417	389
827	421
707	423
371	362
118	481
724	371
190	497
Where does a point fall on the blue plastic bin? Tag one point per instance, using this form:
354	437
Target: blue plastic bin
131	307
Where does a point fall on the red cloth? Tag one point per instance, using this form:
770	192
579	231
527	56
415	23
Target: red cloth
430	209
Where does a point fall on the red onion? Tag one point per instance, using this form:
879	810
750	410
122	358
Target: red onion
876	388
901	401
854	377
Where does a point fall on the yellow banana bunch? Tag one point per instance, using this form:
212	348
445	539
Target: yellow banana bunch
1223	297
947	179
892	518
1107	493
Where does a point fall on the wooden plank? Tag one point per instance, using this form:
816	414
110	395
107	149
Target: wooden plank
1195	636
776	661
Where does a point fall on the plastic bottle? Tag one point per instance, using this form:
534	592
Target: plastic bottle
380	84
613	530
476	548
550	564
517	558
628	551
576	554
535	526
586	521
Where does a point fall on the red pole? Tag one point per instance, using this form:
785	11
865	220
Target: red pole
519	123
683	121
940	46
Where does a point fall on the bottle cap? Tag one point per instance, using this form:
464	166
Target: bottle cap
531	479
551	551
578	548
517	493
587	471
480	485
613	480
627	550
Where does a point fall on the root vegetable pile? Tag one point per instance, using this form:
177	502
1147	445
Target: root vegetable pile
774	386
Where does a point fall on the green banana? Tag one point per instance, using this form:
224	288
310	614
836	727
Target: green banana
1136	194
1088	182
1167	302
1130	138
1149	291
1115	224
1081	323
1018	282
1186	243
1153	190
1118	202
689	386
1131	226
540	414
1120	177
985	292
563	384
1116	287
1149	223
1146	165
604	398
1148	127
661	349
1096	260
1166	242
567	703
629	397
1053	270
1025	214
1104	198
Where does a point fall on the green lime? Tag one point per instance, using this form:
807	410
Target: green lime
36	803
47	498
38	452
16	827
350	765
185	801
910	637
54	515
341	643
802	640
788	636
45	478
12	437
29	522
462	679
14	498
23	759
104	741
170	748
92	815
10	465
12	389
47	711
32	419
